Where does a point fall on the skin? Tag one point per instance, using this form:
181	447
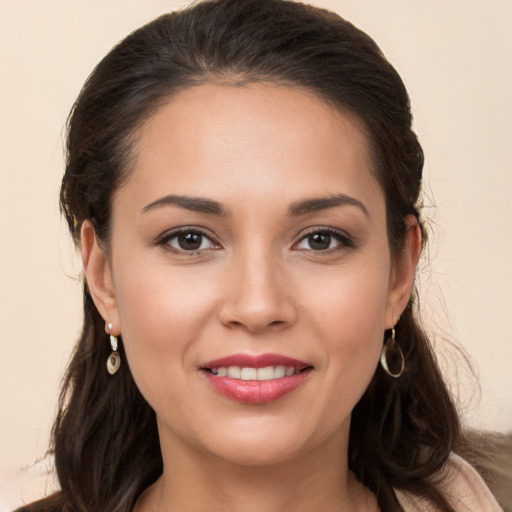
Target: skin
257	284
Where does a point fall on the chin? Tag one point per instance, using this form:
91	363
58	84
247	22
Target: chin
263	453
264	443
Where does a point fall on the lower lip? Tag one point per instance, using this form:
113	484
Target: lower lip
256	391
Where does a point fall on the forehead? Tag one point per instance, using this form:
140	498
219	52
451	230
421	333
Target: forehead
246	141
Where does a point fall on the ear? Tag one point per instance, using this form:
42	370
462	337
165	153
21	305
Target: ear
403	272
99	276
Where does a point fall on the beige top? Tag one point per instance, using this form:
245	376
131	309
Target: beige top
462	486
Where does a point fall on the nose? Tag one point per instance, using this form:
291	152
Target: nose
258	296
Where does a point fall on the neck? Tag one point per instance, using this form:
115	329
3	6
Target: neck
318	480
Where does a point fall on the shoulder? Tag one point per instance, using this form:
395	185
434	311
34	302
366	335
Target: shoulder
465	489
462	486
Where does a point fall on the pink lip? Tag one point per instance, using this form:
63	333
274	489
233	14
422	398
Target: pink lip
254	391
261	361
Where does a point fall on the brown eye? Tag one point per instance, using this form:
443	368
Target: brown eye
324	241
189	241
319	241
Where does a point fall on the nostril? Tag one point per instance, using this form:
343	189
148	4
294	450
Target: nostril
235	323
277	323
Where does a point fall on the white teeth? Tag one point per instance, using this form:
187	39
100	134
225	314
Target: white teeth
267	373
249	374
279	372
234	372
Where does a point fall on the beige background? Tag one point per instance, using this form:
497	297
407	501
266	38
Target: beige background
455	59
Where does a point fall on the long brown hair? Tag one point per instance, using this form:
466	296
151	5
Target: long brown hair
105	439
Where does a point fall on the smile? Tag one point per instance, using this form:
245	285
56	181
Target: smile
256	379
267	373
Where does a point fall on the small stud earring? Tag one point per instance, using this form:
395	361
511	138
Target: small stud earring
391	350
114	359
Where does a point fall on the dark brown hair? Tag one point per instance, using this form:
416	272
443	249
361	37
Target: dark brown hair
105	439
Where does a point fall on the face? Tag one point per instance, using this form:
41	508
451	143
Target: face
249	271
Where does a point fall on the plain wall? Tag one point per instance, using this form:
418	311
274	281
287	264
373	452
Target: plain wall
455	60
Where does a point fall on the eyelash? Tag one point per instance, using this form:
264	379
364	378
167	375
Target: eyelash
165	240
343	239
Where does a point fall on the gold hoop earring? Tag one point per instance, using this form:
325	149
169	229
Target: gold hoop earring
392	358
114	359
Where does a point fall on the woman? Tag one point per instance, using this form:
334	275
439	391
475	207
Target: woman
244	186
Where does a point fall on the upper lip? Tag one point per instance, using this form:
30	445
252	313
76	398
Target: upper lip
255	361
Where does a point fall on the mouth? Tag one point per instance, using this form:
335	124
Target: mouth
255	379
248	373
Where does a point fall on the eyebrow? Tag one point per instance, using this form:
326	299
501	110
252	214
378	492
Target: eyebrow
195	204
211	207
323	203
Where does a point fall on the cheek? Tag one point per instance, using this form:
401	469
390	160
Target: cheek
352	299
161	313
350	319
355	337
